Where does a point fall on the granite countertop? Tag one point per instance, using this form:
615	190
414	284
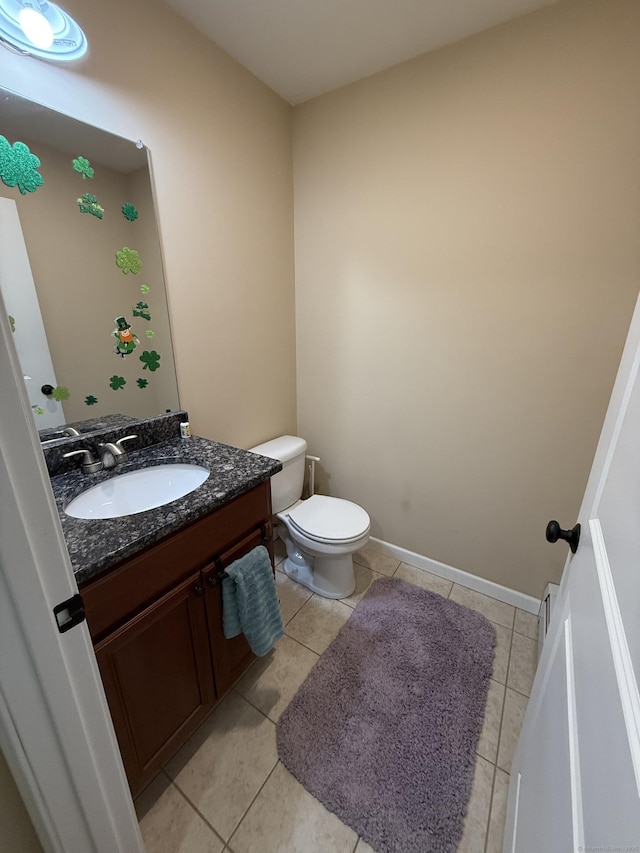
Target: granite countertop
97	544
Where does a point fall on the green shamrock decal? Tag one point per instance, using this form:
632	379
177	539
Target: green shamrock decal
150	360
82	165
128	260
144	288
142	383
142	310
90	400
149	333
18	167
130	212
12	323
38	410
117	382
89	204
60	393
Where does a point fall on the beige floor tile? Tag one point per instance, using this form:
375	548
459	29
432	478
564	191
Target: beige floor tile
423	579
364	578
515	705
316	625
170	824
375	560
522	664
272	681
501	654
498	812
526	623
225	762
285	818
477	819
490	735
494	610
292	596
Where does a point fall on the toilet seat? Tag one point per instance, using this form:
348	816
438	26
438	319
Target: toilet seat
324	519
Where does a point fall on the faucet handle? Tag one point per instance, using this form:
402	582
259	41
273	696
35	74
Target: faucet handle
89	464
113	453
118	443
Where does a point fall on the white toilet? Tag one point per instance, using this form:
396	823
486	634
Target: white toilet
320	533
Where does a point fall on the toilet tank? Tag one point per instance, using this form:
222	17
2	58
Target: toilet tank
286	485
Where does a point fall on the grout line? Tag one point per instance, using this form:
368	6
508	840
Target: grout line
504	705
526	636
255	707
493	787
304	645
527	696
253	801
195	808
298	610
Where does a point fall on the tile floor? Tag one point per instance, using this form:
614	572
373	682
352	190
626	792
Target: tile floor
226	791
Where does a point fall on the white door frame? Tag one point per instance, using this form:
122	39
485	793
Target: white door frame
55	726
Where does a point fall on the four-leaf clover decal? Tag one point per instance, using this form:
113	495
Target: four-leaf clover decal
128	260
82	165
60	393
130	211
117	382
150	360
18	167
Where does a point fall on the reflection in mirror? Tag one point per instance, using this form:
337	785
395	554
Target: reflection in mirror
80	270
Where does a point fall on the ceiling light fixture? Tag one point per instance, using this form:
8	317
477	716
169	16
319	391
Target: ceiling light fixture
42	29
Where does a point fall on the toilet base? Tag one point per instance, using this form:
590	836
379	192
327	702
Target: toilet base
331	577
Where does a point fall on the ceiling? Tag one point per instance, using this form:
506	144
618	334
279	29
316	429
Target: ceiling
303	48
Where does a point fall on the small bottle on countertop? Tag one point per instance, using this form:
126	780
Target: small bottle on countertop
185	429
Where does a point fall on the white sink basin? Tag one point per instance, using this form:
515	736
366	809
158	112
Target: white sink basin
137	491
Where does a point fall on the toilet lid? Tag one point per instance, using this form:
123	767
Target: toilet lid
328	519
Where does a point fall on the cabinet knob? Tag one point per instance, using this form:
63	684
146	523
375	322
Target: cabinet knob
212	580
198	590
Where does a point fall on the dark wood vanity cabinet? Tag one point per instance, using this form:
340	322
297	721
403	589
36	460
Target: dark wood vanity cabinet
156	623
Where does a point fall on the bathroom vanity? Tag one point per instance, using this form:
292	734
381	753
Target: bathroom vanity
151	589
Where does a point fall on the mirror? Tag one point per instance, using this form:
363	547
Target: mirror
81	272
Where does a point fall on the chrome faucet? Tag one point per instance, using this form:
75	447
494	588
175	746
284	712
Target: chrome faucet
112	453
89	464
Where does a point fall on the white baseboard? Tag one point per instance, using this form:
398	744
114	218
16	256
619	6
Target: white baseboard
494	590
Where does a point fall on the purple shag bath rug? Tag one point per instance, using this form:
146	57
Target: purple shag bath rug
384	729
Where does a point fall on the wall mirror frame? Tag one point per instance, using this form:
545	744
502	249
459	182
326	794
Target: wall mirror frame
79	235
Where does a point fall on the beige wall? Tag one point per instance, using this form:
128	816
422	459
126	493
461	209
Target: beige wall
17	834
221	150
467	260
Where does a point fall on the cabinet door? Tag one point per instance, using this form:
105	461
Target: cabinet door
230	657
157	675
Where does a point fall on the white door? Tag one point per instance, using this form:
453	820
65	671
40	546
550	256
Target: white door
575	779
55	729
21	302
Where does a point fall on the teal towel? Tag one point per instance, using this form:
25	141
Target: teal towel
249	602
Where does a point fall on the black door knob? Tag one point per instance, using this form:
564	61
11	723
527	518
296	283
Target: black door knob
555	532
47	390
